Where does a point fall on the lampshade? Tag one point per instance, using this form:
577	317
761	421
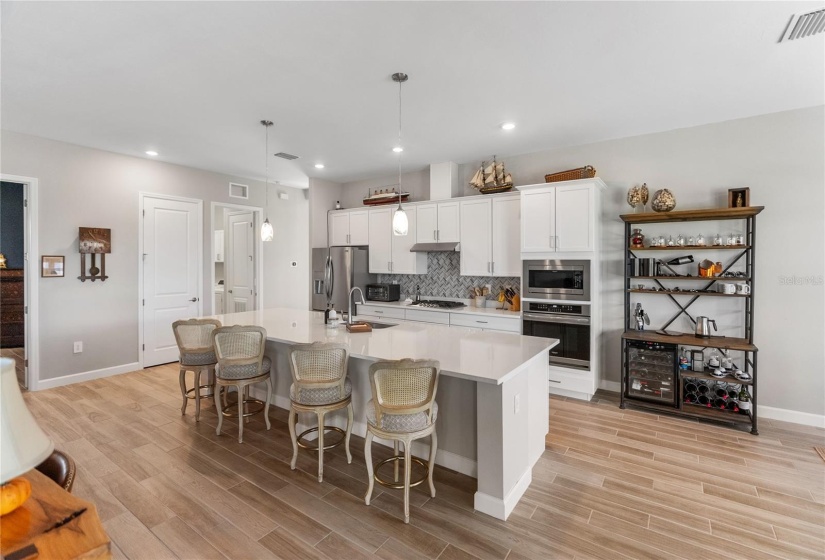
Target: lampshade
267	232
400	223
23	445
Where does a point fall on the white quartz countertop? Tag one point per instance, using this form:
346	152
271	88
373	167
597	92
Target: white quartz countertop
468	310
467	353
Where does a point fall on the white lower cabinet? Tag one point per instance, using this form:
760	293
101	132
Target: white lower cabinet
486	322
382	312
434	317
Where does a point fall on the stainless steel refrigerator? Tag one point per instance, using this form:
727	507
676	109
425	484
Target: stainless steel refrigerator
334	273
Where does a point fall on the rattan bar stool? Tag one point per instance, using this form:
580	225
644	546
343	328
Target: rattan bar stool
402	409
241	363
197	354
319	385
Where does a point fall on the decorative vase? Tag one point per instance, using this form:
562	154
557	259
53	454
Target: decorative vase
634	197
644	193
663	201
637	239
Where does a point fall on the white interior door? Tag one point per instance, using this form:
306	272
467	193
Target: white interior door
172	265
240	263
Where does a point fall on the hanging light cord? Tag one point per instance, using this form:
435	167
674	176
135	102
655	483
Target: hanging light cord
266	167
399	143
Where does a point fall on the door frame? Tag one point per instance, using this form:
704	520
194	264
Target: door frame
31	253
258	214
142	196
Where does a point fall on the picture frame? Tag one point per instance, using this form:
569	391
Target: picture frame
739	198
52	266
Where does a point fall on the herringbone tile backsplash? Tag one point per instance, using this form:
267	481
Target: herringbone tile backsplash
443	279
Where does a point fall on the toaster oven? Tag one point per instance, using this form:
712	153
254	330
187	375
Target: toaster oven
383	292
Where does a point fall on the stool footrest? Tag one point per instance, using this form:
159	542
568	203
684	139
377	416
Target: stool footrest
190	393
250	406
400	485
303	445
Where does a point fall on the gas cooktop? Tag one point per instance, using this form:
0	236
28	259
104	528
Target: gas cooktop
439	304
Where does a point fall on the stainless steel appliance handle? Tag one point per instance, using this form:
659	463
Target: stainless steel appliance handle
552	318
329	277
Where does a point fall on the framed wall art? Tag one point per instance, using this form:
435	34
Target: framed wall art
739	198
51	266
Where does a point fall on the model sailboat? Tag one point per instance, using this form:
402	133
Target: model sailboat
492	178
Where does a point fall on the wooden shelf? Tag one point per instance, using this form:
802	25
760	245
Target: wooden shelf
684	293
703	375
686	339
693	215
708	278
684	249
694	411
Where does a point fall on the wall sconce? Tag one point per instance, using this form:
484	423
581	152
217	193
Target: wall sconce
94	241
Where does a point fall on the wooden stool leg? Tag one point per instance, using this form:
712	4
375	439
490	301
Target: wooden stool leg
395	463
197	374
182	379
368	459
320	446
407	472
268	398
433	448
349	431
292	417
219	407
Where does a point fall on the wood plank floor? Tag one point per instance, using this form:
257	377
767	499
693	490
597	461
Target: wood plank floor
612	484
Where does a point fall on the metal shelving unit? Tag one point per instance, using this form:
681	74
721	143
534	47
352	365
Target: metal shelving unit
744	344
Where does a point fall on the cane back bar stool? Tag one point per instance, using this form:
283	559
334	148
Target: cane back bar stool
402	409
197	354
319	385
241	363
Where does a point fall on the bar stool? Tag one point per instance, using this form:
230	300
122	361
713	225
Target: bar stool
241	363
402	409
197	354
320	385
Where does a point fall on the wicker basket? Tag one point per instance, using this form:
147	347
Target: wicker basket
586	172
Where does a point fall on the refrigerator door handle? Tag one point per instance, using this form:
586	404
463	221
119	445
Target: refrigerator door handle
329	277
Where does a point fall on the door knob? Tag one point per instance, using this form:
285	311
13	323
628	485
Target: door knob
193	300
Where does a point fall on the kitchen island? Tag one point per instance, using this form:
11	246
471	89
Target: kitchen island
492	395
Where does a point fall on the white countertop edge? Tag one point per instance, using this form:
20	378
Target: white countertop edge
469	310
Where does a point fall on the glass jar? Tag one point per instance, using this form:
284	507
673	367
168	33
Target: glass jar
637	238
680	241
670	241
717	239
691	241
700	240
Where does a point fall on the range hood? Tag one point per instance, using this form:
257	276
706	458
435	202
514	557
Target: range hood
434	247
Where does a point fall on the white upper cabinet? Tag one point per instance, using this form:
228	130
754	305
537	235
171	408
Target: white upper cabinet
389	253
506	251
348	227
476	237
380	240
437	222
561	217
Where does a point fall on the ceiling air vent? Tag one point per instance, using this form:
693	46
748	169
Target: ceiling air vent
804	25
286	156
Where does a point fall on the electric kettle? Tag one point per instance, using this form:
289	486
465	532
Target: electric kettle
703	326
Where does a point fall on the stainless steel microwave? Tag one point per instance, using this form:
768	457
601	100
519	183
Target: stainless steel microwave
557	279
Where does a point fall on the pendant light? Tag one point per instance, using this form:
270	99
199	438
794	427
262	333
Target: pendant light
267	231
400	223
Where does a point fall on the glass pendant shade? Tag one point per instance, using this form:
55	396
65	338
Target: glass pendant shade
267	231
400	223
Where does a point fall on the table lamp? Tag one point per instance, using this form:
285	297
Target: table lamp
23	444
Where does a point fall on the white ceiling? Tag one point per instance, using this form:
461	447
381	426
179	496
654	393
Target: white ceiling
193	79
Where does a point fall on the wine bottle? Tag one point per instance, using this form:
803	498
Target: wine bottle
326	315
744	400
681	260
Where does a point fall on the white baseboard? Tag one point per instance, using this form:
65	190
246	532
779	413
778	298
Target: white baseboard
501	508
420	448
572	394
805	418
613	386
85	376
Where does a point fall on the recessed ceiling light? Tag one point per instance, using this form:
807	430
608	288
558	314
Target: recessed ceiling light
319	166
508	126
151	153
398	149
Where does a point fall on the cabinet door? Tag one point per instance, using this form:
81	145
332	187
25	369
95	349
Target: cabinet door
380	240
359	228
574	218
218	249
338	229
538	226
506	236
449	221
476	238
403	261
426	223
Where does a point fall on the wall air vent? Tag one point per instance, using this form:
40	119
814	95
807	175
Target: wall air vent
804	25
284	155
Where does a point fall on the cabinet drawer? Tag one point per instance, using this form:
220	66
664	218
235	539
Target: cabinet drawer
427	316
581	382
386	312
484	322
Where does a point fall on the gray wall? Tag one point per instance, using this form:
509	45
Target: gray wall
417	183
86	187
11	224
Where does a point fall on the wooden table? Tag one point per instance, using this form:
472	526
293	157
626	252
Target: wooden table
58	524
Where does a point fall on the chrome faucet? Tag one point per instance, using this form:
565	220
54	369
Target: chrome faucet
361	302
